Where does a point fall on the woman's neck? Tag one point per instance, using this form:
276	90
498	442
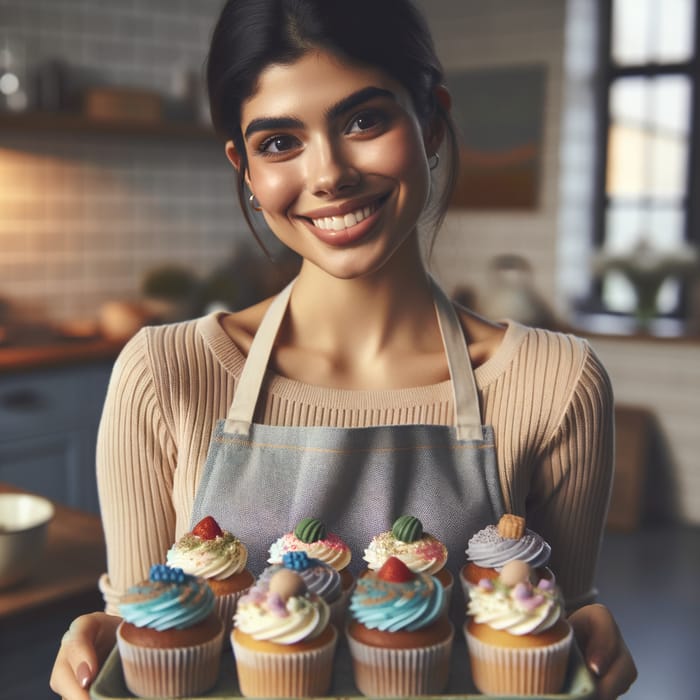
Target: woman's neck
377	329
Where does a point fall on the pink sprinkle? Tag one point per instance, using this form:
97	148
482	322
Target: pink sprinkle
532	603
545	584
486	584
522	592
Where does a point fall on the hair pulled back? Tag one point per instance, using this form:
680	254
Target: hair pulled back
391	35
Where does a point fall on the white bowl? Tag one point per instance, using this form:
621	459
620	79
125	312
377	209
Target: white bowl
24	520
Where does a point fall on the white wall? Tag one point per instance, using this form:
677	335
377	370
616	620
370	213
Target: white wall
663	376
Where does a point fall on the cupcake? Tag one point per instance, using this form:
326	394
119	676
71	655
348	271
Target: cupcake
399	636
518	639
491	548
320	578
310	536
170	639
282	639
419	551
219	557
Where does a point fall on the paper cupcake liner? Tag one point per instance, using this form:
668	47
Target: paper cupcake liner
225	607
381	672
285	674
339	608
518	671
176	672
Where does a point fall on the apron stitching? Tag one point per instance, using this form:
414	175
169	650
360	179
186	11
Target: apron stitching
249	443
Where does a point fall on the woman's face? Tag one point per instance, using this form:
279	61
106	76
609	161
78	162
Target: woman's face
337	161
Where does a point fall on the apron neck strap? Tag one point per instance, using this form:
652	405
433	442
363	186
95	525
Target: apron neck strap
466	400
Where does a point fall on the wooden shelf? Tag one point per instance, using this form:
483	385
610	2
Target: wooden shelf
60	122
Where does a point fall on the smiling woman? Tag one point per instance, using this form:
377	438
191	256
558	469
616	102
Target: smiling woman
360	393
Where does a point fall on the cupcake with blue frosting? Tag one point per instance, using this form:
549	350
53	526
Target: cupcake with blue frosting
399	636
170	639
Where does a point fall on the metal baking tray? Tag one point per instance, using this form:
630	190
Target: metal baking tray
109	684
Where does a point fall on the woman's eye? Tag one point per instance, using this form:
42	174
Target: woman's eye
364	122
278	144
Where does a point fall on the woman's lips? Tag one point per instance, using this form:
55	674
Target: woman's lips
343	229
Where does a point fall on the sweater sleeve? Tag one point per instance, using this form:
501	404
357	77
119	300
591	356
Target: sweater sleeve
571	482
136	458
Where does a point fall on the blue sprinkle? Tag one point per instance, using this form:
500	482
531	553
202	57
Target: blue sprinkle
166	574
296	561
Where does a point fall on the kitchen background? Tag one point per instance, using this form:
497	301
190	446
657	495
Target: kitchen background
104	218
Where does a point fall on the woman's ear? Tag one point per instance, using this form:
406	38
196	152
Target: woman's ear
233	155
435	131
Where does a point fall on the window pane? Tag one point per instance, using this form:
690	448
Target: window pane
652	31
627	225
648	137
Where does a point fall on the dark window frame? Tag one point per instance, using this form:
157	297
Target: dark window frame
608	73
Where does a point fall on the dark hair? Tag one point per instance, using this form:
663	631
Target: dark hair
391	35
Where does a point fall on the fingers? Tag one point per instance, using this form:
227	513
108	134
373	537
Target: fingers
82	651
604	650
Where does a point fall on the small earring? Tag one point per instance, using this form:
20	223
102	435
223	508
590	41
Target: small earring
432	165
255	206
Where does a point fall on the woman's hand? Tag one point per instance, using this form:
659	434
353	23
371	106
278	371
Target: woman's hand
83	650
604	650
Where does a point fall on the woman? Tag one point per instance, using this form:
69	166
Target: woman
352	395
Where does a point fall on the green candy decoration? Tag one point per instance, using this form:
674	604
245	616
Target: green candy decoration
407	528
310	530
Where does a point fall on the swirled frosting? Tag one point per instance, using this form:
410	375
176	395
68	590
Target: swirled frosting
265	615
331	550
488	549
217	558
177	602
425	555
520	609
392	606
320	578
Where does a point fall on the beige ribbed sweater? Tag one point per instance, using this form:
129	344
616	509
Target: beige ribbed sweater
546	395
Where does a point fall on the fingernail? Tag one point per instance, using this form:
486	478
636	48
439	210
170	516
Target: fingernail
595	667
83	674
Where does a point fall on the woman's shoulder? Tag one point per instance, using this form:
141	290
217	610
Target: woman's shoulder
526	353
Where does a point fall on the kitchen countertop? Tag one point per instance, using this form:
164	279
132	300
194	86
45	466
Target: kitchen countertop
57	353
74	560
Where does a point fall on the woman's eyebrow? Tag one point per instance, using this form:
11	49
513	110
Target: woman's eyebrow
340	107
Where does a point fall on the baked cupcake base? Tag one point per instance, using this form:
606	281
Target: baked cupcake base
277	670
402	670
170	671
529	665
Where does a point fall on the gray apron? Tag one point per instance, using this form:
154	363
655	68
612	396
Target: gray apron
260	480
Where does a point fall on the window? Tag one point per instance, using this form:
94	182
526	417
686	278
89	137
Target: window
648	155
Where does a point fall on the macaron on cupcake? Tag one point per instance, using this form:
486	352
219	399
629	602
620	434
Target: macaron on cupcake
310	536
170	639
399	636
320	579
517	636
282	639
418	550
490	549
219	557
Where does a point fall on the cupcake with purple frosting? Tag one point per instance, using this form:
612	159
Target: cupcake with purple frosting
490	549
320	579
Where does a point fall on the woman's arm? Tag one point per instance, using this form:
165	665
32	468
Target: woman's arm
136	459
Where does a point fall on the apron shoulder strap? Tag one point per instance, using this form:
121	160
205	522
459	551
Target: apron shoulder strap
466	399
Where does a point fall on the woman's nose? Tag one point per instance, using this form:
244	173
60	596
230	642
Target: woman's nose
330	170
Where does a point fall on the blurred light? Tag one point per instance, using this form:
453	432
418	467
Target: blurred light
9	84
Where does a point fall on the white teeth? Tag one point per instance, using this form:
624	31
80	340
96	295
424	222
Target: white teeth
338	223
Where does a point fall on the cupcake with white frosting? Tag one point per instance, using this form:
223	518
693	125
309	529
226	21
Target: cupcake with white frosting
517	636
420	551
220	558
282	639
